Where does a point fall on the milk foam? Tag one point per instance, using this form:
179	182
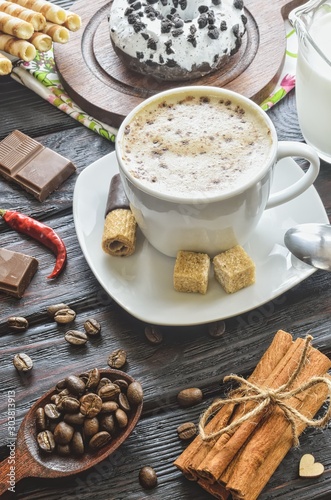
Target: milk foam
196	145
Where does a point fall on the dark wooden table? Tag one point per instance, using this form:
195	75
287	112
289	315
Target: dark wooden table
187	357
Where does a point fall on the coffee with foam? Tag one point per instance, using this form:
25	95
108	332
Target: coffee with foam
196	144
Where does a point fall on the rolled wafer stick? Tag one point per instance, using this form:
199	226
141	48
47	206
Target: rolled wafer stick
5	65
42	42
37	20
51	12
73	22
14	26
58	33
119	234
18	48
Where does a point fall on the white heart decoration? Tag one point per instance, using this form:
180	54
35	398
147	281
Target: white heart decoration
309	468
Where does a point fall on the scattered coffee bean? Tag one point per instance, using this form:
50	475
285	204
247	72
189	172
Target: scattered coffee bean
187	431
46	441
75	337
54	308
92	327
148	478
189	397
18	323
64	316
153	334
75	421
22	362
216	329
135	393
117	359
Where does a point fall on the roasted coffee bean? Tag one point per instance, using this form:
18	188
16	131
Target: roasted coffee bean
51	424
75	337
84	376
103	381
54	308
68	404
63	433
74	418
189	397
75	385
63	450
61	385
46	441
117	359
40	420
77	444
148	478
90	427
135	393
52	412
99	440
187	431
124	402
109	392
121	418
92	327
64	316
153	334
18	323
107	423
55	398
216	329
93	379
109	407
22	362
122	384
90	405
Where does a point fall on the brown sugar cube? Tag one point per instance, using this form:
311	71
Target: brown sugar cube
234	269
191	272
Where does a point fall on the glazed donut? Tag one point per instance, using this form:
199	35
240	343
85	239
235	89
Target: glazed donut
176	39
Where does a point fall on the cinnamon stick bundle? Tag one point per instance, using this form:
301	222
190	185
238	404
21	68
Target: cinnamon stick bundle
242	460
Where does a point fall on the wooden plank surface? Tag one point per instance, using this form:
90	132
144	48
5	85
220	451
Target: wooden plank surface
187	357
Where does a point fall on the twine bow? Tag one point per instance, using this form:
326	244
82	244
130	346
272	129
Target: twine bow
265	397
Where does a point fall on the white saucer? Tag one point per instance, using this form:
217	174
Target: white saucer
142	283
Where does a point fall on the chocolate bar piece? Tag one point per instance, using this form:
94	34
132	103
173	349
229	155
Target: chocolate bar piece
16	272
116	195
37	169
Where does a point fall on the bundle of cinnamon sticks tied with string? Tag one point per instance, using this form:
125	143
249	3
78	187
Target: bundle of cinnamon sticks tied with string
244	437
30	25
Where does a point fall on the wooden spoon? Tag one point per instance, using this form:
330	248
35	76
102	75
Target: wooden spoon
26	459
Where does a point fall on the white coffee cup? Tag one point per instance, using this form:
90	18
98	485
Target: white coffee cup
205	222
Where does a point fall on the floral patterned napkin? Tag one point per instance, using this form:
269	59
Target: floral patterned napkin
41	76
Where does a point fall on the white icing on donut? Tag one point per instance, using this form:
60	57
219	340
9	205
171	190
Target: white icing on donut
138	33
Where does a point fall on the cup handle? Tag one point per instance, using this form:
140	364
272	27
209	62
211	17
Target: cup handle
301	150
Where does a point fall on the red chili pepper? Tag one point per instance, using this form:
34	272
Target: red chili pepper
40	232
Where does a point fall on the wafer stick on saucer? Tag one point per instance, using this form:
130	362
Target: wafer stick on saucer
119	233
14	26
18	48
37	20
5	65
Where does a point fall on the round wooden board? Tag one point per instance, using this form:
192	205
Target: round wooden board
98	82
